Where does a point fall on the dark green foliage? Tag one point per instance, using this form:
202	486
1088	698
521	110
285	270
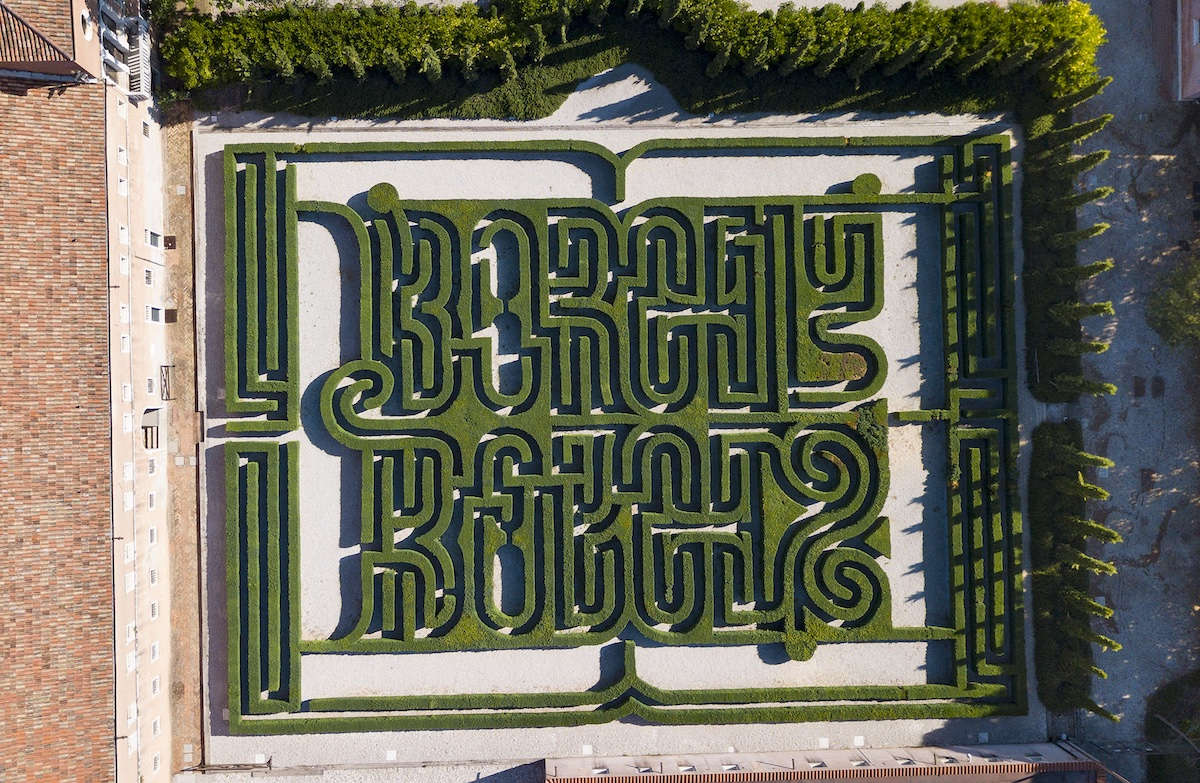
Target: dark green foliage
1071	312
318	67
1073	134
1173	708
1015	61
1073	200
937	56
862	62
907	57
1174	308
395	66
829	60
431	64
1074	385
354	63
717	64
1063	610
1076	347
976	59
538	45
355	396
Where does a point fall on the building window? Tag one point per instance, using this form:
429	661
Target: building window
122	110
153	536
133	743
151	469
127	422
124	265
153	238
130	633
130	581
149	277
153	571
124	343
1196	32
151	503
127	471
126	392
131	713
130	551
145	129
154	610
154	651
155	730
130	662
154	314
155	686
124	314
154	764
122	156
150	386
123	234
122	186
129	501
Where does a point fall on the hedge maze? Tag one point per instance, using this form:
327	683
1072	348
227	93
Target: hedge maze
654	423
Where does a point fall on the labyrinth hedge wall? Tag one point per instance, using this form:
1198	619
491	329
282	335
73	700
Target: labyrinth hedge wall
608	468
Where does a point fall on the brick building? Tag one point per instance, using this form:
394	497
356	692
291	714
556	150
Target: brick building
84	635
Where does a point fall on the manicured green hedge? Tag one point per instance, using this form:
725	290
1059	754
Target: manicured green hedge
1060	530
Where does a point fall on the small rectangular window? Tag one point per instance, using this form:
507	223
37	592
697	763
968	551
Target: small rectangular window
122	109
154	610
124	343
154	314
130	661
127	422
155	762
1196	32
130	633
154	651
122	186
155	686
131	713
127	471
130	581
153	238
151	503
153	571
122	156
149	277
126	392
124	263
130	551
150	386
145	129
153	538
155	730
129	495
123	234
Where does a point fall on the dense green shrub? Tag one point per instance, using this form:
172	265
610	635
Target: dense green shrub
1062	607
1174	310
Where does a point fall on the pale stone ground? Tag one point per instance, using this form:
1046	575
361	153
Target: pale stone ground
1153	438
585	114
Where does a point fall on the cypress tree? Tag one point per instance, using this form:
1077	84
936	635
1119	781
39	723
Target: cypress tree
1078	164
1079	487
1079	560
597	11
717	64
537	44
975	60
1068	238
862	63
1077	384
1054	56
1088	528
936	57
354	63
1018	59
315	64
1079	199
1085	603
794	58
827	61
1077	458
564	20
1083	95
508	66
1064	347
907	57
1072	311
1073	134
394	65
431	64
280	61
